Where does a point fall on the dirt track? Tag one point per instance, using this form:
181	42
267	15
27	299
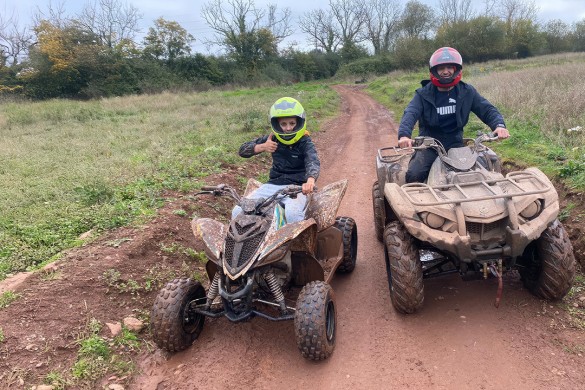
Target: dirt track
459	340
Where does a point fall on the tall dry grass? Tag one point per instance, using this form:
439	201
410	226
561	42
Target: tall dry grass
549	93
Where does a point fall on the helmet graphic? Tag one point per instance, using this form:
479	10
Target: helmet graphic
283	108
445	56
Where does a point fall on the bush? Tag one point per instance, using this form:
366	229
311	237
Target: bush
367	66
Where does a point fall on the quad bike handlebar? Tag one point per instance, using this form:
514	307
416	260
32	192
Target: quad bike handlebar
257	205
477	143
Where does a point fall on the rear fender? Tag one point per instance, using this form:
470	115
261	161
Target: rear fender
212	233
323	207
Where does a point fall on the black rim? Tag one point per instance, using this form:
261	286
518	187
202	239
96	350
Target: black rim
191	320
330	318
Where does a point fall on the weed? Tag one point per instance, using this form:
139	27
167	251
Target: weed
572	168
180	212
1	335
176	248
127	339
56	380
116	243
7	298
50	275
94	346
566	212
111	277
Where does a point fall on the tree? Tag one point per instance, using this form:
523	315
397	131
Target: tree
523	38
479	39
167	40
112	21
579	36
248	34
320	28
557	36
417	20
61	60
454	11
512	10
350	16
382	24
14	40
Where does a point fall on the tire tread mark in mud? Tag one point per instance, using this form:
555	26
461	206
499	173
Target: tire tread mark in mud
314	304
405	276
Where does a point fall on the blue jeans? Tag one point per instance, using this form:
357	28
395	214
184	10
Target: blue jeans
294	208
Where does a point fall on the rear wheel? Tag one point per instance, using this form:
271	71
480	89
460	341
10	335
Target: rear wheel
174	326
348	229
315	321
404	268
549	264
379	211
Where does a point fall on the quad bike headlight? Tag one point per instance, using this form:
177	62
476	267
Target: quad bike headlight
432	220
532	210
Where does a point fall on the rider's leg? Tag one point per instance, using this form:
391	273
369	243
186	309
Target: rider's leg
295	208
420	165
264	191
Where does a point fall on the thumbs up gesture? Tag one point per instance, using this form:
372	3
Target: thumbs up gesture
270	144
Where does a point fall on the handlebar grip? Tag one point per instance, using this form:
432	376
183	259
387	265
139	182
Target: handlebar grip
209	188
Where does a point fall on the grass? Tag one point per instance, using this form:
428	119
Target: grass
7	298
73	167
98	356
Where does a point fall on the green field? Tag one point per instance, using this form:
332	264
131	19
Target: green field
70	167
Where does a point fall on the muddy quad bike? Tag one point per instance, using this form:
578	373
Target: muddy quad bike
468	218
258	259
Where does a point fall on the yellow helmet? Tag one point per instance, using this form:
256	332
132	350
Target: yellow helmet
283	108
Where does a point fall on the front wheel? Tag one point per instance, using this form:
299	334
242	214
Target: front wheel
548	264
404	269
348	229
315	321
174	326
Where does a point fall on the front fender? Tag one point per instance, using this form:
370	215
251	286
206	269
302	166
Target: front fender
323	207
306	230
212	233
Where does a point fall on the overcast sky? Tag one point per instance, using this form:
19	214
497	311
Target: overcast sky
188	13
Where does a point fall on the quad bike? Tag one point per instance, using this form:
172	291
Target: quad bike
468	218
255	261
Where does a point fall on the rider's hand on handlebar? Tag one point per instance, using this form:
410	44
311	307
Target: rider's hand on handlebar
405	142
501	132
309	186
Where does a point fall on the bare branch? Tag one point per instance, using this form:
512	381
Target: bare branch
382	23
113	21
453	11
318	24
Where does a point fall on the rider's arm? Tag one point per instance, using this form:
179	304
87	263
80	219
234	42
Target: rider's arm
411	115
312	162
489	114
248	149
